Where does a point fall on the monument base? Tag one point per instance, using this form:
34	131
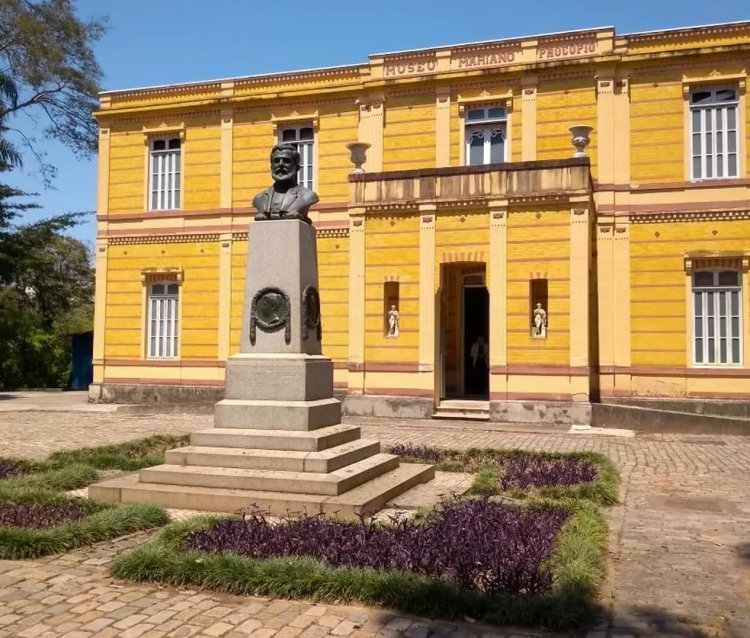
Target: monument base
277	441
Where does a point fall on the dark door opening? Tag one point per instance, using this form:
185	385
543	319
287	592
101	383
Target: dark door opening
476	338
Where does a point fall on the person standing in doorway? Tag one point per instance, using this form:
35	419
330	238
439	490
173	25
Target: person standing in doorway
479	374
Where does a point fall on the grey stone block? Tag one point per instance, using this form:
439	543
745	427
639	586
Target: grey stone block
279	377
277	415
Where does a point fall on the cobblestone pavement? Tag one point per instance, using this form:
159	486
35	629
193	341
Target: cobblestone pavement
679	544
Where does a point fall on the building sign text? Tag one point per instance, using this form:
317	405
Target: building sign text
495	57
410	67
557	50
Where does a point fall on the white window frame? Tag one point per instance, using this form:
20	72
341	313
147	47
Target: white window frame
714	325
305	148
162	320
165	174
487	124
710	140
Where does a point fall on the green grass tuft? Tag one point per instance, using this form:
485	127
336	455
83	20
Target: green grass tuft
130	456
104	523
70	477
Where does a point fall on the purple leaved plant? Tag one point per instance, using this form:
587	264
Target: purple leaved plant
476	544
39	515
532	470
9	468
419	452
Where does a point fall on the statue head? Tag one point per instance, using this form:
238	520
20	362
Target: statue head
285	162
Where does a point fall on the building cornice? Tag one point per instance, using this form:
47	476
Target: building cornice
534	51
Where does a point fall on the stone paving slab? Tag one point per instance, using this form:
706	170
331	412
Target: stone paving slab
679	542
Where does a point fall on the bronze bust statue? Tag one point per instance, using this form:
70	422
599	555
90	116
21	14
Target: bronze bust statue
286	199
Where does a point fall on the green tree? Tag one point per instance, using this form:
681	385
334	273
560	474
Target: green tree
46	53
46	280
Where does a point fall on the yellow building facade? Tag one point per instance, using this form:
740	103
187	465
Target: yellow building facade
619	273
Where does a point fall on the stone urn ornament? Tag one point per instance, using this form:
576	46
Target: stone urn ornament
358	155
580	138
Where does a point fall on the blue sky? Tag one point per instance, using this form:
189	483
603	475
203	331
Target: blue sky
152	42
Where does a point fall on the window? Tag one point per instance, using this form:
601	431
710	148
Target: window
713	133
162	320
164	174
302	138
716	317
485	135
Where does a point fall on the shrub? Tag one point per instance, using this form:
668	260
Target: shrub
40	515
532	470
476	544
9	467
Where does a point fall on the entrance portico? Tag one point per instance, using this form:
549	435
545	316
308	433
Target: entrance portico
495	243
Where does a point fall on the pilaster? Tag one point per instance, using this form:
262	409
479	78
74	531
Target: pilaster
225	294
371	131
606	292
102	192
621	148
528	118
100	309
621	288
497	277
356	286
442	127
227	125
605	126
427	287
580	252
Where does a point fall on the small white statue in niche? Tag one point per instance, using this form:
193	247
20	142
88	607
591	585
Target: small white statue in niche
393	322
539	327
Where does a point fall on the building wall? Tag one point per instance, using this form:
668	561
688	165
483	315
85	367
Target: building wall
646	214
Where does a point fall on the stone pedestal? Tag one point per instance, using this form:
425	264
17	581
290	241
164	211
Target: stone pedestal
277	440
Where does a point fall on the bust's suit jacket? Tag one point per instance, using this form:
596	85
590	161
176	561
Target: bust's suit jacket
297	200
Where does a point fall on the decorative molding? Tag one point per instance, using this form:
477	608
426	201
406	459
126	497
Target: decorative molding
296	118
715	77
175	274
486	99
326	233
164	239
469	256
164	129
698	260
689	216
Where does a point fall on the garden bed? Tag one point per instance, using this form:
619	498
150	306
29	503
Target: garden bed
38	518
521	475
538	564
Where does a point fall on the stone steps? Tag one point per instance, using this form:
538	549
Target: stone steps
330	483
294	441
368	497
463	409
323	461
